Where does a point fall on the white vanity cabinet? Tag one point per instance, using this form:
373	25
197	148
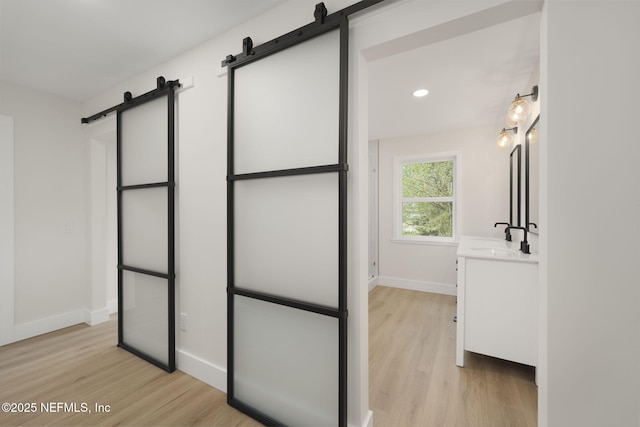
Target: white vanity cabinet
497	301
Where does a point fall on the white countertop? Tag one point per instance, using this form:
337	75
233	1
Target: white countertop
491	248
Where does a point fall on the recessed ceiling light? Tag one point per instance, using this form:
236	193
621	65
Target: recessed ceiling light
420	93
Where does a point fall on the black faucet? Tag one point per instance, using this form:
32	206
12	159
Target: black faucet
507	234
524	245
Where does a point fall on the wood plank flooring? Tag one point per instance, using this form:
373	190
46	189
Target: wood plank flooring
413	378
82	364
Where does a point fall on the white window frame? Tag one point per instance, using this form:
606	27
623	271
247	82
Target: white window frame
398	200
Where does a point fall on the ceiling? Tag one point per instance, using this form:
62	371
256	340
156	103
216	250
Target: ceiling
79	48
471	79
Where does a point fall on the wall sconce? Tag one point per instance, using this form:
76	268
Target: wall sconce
520	108
533	136
505	138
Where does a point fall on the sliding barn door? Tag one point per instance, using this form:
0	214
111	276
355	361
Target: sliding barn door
146	227
287	178
287	214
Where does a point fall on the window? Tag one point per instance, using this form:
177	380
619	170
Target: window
425	198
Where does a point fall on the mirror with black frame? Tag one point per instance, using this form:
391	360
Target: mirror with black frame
532	177
514	186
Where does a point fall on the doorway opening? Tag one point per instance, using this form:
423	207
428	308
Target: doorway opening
481	73
104	243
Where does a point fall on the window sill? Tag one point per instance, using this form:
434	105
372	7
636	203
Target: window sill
425	242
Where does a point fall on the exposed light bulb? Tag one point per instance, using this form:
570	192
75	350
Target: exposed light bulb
420	93
519	110
505	138
510	123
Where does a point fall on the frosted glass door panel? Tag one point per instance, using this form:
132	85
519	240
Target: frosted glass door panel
286	237
144	229
286	108
145	318
286	362
144	143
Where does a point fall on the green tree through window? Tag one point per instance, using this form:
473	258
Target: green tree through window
427	198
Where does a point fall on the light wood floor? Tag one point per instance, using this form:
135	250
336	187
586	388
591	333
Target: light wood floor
82	364
413	378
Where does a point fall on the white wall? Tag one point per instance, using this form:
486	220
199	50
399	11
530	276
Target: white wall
542	370
590	248
6	230
483	200
49	210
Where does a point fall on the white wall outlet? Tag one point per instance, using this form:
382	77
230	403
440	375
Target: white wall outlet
183	322
68	227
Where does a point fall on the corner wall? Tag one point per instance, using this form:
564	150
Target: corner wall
48	211
593	201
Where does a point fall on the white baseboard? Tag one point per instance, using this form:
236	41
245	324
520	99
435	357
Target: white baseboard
202	370
96	317
112	306
368	422
373	282
34	328
46	325
417	285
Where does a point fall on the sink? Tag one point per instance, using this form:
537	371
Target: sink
488	247
488	243
495	251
